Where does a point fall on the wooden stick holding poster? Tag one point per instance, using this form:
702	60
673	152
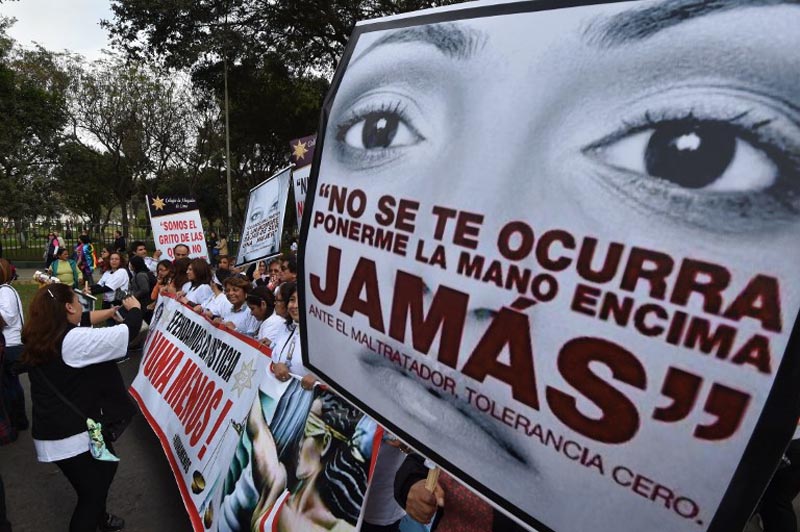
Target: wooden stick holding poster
557	258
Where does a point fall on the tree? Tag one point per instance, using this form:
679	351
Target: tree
32	102
137	117
81	173
304	33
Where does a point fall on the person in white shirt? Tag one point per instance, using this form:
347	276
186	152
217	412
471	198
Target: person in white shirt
115	278
261	302
11	322
287	356
214	306
196	290
274	324
65	361
236	315
139	248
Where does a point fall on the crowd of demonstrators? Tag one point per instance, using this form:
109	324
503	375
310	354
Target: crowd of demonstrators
262	303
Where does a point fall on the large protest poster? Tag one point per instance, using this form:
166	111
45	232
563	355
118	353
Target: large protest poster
558	256
302	155
176	220
263	224
239	441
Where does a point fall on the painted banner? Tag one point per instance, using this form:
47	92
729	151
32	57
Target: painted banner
176	220
239	441
263	223
553	247
302	155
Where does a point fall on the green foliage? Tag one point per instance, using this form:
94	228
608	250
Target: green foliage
32	102
82	173
278	57
303	33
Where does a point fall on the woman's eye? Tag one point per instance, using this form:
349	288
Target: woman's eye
256	216
380	130
694	154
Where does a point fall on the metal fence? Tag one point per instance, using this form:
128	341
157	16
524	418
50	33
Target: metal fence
28	242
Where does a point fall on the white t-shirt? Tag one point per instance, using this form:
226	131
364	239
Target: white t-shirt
287	349
83	346
199	294
151	263
114	280
11	311
271	327
216	304
242	319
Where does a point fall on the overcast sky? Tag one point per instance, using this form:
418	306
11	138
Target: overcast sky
60	24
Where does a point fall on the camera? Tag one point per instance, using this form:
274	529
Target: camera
120	294
44	278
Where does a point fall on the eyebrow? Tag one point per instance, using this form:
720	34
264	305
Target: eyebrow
455	41
639	24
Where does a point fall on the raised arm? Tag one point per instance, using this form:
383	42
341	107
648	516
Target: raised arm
269	474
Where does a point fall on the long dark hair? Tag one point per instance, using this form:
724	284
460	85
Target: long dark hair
180	278
287	289
169	266
46	324
201	271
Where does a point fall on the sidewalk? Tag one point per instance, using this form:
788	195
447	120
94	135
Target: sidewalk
144	492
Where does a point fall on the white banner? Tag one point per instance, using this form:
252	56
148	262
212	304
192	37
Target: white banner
263	224
221	415
176	220
556	251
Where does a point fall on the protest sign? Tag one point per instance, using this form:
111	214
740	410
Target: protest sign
176	220
263	223
238	440
559	258
302	155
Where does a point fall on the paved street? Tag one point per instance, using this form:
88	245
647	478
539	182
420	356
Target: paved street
144	492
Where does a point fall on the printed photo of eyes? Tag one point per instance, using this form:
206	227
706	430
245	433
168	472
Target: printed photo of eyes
667	124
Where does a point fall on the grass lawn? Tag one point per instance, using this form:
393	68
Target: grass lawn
26	289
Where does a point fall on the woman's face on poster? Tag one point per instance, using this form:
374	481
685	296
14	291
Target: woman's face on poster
666	131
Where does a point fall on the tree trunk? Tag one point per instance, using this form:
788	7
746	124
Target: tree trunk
124	212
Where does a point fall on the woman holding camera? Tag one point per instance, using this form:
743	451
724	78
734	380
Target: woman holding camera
73	376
